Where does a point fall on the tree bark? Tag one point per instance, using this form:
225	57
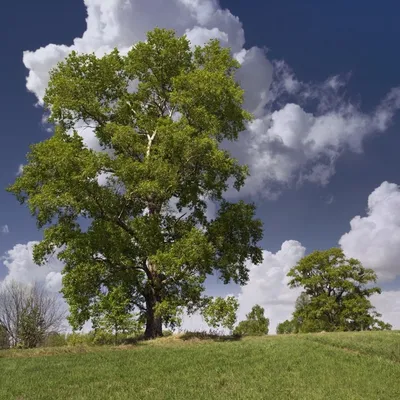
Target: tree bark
152	291
153	323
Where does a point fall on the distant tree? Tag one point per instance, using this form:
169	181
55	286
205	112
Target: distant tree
285	327
256	324
336	293
29	313
159	113
221	313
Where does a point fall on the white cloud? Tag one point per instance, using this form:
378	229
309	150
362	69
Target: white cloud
375	238
4	229
268	287
20	169
21	268
121	23
388	304
289	145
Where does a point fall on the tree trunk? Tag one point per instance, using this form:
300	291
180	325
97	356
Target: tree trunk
153	326
153	323
152	293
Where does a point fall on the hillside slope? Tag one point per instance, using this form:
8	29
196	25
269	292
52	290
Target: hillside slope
315	366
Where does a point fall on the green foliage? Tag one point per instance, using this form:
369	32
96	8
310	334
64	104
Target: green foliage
114	315
32	330
336	294
101	337
55	339
4	338
159	114
256	324
286	327
80	339
221	312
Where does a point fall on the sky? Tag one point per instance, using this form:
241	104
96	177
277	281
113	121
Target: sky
322	80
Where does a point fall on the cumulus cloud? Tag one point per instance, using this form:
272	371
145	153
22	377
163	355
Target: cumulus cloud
268	287
388	304
21	268
300	128
20	169
306	130
4	229
121	23
375	238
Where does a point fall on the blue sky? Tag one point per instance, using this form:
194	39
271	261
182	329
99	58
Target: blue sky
356	41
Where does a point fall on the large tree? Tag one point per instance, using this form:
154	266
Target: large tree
134	214
336	293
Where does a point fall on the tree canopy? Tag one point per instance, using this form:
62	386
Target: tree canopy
133	215
336	294
286	327
255	324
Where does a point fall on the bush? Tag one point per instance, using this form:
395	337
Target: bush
79	339
256	324
55	340
4	339
100	337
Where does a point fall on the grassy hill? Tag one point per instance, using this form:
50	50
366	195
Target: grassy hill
348	366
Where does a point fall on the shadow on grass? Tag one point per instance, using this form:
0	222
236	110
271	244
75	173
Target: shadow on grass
127	343
209	336
186	336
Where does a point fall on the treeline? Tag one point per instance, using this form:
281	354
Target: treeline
335	297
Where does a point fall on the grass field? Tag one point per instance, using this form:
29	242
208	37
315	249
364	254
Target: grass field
314	366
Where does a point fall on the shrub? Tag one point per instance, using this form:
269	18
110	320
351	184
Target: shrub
55	339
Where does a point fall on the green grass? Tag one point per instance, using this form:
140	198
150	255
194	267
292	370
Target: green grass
318	366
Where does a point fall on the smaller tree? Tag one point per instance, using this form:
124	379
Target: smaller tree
29	313
32	326
336	293
115	314
256	324
220	312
